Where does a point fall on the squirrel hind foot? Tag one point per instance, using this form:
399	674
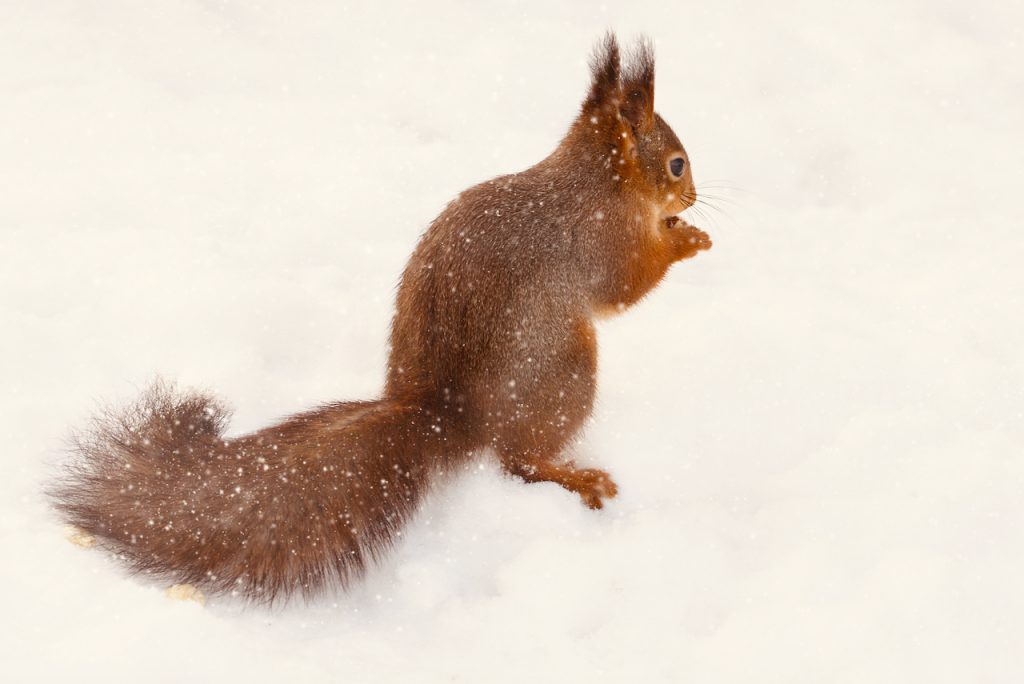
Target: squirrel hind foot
593	485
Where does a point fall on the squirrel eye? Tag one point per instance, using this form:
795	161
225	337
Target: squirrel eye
676	166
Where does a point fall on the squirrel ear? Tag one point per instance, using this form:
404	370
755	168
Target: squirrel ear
605	87
638	87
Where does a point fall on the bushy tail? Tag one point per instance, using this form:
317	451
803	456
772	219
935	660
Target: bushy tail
291	508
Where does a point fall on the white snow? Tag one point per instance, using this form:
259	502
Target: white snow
817	427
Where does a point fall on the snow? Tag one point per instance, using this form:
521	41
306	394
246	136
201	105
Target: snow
817	426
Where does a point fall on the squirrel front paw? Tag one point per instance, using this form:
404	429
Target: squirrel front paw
687	239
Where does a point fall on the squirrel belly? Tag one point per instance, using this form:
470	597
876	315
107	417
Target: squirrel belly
492	347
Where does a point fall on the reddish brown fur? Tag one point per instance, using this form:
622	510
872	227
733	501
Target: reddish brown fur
492	345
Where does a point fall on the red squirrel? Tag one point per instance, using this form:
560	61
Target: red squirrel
492	348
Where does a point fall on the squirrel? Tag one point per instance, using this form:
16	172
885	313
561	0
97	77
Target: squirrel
492	347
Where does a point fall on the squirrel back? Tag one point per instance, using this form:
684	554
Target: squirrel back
492	346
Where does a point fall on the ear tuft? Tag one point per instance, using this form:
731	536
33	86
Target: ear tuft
638	86
605	68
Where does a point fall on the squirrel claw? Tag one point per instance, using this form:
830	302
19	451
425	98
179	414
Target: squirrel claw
689	238
700	239
593	485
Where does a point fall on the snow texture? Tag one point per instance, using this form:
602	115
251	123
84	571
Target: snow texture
817	427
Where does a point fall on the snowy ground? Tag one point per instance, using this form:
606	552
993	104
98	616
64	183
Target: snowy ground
817	427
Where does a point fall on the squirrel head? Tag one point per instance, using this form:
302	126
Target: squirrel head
637	146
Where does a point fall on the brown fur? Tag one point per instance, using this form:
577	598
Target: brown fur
492	346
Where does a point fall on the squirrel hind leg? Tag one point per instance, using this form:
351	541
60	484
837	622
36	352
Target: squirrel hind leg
592	484
551	404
